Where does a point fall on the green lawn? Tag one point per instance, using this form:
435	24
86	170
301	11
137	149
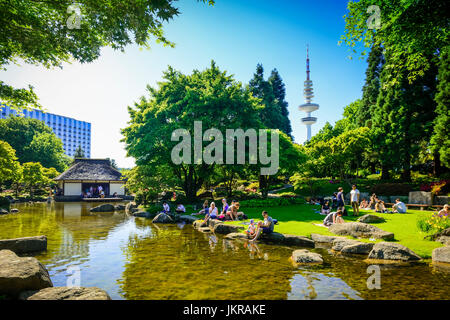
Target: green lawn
299	219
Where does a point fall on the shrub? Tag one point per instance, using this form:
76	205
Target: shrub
4	203
391	189
272	202
433	223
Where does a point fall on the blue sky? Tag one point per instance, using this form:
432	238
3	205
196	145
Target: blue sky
237	35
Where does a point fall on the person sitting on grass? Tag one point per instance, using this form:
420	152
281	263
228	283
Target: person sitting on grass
363	204
373	201
251	230
180	209
380	207
204	210
333	217
212	213
399	207
265	226
445	211
325	208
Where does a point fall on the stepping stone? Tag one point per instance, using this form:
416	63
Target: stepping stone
392	251
304	256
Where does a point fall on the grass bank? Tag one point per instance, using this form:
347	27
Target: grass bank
300	219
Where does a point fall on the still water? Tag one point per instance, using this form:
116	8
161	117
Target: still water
131	258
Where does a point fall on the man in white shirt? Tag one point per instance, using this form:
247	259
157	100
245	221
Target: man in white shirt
166	208
399	207
180	208
354	199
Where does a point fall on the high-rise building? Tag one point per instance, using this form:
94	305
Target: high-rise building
308	107
73	133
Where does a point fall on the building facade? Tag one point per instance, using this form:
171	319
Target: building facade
73	133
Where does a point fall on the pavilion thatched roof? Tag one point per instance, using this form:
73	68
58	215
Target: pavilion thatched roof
91	169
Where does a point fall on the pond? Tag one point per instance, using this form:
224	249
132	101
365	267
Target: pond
131	258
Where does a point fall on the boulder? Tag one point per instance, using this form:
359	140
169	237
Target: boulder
162	218
441	255
442	200
21	274
144	214
339	243
445	240
236	235
14	210
360	230
67	293
322	239
304	256
25	245
204	229
199	224
301	241
129	206
420	197
223	228
119	207
392	251
187	219
3	211
358	248
213	222
274	237
370	218
107	207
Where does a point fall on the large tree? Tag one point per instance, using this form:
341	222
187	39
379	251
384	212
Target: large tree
272	95
440	141
51	32
9	166
211	97
33	141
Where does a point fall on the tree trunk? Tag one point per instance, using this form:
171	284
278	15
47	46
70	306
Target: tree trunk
385	172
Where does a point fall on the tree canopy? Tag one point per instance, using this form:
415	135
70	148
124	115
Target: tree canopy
51	32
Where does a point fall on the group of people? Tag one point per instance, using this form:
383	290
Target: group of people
228	212
94	192
266	226
380	206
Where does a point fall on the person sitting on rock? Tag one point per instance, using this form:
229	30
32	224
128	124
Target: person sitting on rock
180	209
325	208
399	207
225	206
338	218
166	207
212	213
265	226
231	213
251	230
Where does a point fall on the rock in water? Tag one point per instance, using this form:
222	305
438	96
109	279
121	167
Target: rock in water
321	238
360	230
392	251
301	241
358	248
340	243
236	235
21	274
162	218
304	256
119	207
370	218
66	293
25	245
14	210
226	228
107	207
129	206
441	255
187	219
213	222
3	211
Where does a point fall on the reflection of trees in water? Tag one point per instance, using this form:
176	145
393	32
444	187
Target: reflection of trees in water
181	265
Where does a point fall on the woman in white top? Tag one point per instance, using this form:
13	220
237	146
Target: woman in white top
212	213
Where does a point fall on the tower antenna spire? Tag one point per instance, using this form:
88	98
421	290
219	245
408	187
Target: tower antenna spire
308	107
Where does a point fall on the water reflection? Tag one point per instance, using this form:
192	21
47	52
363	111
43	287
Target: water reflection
132	258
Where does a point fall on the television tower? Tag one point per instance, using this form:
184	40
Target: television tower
308	107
